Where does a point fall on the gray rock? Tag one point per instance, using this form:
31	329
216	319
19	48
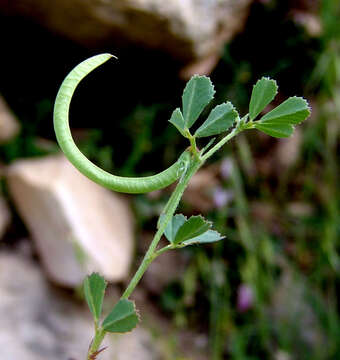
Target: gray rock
77	226
39	323
193	31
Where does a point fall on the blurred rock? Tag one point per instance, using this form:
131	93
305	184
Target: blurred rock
285	154
39	323
192	31
200	191
9	126
311	22
300	209
282	355
78	227
288	150
165	269
5	216
137	344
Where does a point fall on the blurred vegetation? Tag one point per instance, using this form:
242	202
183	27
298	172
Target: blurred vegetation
271	290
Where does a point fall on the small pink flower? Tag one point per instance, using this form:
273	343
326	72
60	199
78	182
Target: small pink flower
226	168
245	298
222	197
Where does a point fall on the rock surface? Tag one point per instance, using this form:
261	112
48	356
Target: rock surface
39	323
192	31
9	126
78	227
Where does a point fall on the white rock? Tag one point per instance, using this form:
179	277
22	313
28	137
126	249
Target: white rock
39	323
192	31
78	227
9	125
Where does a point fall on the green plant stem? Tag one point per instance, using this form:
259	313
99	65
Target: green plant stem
217	146
165	249
151	254
171	208
97	340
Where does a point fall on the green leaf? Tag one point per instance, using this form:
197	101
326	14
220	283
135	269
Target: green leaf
94	290
275	130
292	111
197	94
178	121
122	318
172	228
280	121
195	226
207	237
263	93
220	119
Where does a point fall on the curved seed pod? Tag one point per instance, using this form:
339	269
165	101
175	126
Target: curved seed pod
133	185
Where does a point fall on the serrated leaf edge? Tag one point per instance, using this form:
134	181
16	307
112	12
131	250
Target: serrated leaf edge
136	311
276	92
233	109
204	220
186	219
191	98
308	108
86	282
221	237
181	131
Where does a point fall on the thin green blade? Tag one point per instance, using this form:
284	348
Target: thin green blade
178	121
197	94
94	290
207	237
220	119
292	111
122	318
263	93
195	226
172	228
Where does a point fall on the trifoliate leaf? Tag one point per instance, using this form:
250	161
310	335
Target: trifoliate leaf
263	93
122	318
197	94
193	227
280	121
94	290
220	119
172	228
178	121
207	237
292	111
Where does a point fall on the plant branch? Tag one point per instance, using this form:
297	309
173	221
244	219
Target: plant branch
171	208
